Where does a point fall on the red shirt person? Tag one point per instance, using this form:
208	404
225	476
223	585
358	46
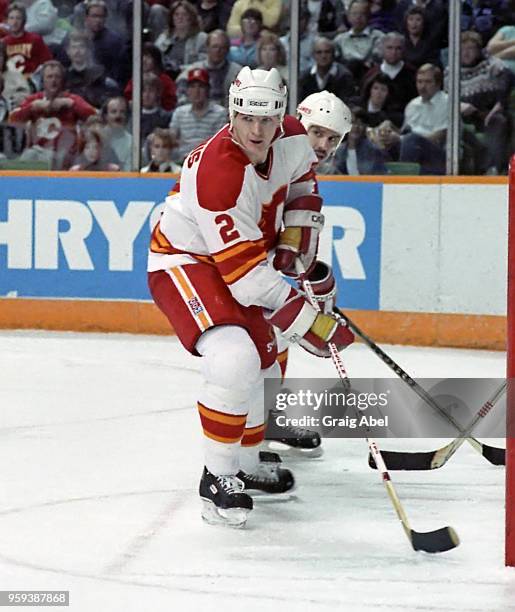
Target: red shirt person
53	115
25	50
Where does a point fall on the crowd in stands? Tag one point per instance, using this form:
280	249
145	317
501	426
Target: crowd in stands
66	88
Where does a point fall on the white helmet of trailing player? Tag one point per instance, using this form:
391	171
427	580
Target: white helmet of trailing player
325	110
258	92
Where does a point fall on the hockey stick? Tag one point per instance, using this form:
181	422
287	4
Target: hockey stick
435	541
418	461
431	460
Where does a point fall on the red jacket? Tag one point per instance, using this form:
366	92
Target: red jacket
168	92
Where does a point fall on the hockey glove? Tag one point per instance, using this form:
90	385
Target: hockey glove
301	323
303	223
323	284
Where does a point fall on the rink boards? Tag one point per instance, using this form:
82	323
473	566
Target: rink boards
418	260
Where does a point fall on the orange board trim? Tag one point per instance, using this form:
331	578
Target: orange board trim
412	328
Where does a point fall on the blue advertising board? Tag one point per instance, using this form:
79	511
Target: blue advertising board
87	238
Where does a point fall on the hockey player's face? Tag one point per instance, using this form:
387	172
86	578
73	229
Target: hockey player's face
255	134
323	141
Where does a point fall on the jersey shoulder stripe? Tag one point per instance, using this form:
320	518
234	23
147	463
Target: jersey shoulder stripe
221	173
292	127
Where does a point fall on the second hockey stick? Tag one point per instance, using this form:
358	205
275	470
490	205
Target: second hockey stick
435	541
418	461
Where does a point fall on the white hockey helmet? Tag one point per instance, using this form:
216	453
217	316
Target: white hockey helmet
258	92
325	110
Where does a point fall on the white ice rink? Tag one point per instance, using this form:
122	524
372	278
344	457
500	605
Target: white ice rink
100	458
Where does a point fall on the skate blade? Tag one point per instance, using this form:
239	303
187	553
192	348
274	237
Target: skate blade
227	517
290	451
260	497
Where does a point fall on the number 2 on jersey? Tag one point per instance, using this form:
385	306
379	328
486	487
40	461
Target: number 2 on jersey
226	228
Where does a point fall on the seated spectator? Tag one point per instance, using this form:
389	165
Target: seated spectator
386	136
360	46
382	15
54	116
502	46
83	77
271	54
419	47
152	62
109	48
243	50
115	113
162	143
436	14
269	9
119	16
221	70
376	102
357	155
307	40
401	75
485	17
182	43
153	114
91	156
12	138
25	51
484	89
327	17
200	119
214	14
425	123
327	74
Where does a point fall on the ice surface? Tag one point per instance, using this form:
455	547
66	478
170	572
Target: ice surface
100	458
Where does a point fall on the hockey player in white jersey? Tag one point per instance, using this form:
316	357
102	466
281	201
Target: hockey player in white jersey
327	120
210	274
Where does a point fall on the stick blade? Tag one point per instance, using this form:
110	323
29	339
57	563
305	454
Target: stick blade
435	541
496	456
398	460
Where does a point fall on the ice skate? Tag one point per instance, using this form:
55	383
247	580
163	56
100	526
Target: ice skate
292	441
269	478
223	500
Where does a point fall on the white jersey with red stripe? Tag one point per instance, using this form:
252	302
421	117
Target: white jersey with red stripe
228	212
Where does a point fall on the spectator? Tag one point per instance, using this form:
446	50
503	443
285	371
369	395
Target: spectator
200	119
214	14
327	17
360	46
425	123
153	114
243	51
419	47
25	51
436	14
182	43
376	101
222	72
54	115
115	114
109	48
502	46
91	156
119	16
12	138
386	136
307	40
83	77
484	17
401	75
485	87
382	15
152	62
357	155
162	143
327	74
269	9
271	54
